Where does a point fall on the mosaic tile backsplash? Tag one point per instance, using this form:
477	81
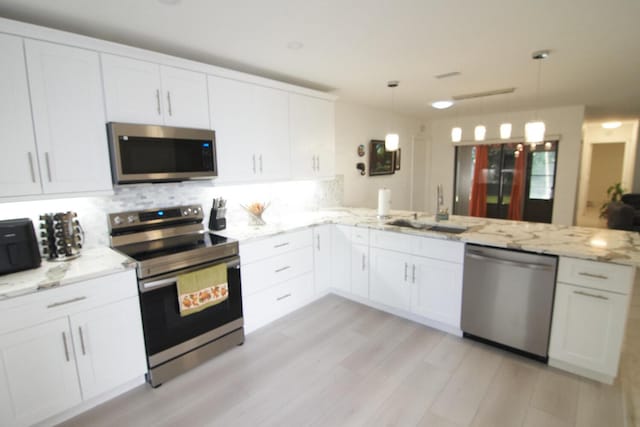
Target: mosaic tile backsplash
284	198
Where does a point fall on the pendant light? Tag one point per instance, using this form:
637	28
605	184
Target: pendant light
456	134
505	130
392	140
534	130
479	132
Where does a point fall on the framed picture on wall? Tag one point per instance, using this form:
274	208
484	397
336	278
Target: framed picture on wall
381	161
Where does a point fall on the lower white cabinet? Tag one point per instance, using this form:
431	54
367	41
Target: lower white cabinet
322	258
390	278
360	270
341	258
437	290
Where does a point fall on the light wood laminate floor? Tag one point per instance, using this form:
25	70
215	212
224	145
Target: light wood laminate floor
339	363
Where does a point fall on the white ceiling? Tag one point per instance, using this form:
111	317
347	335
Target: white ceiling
353	47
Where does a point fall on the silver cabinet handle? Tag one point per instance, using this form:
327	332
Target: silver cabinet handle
66	348
587	294
33	172
280	245
413	273
260	159
593	276
406	267
46	160
84	352
254	163
158	101
317	163
169	103
280	270
363	262
57	304
318	242
313	163
283	297
532	266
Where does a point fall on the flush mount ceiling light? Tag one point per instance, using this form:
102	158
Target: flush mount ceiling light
295	45
535	129
456	134
392	139
479	133
441	105
611	125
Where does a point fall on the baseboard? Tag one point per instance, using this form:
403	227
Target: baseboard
583	372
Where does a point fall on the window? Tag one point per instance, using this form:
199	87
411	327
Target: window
543	166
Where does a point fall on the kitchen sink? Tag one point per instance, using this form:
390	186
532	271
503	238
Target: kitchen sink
417	225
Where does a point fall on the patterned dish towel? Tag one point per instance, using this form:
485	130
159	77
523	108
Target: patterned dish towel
201	289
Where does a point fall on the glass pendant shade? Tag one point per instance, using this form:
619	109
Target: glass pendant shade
479	133
534	132
505	131
391	142
456	134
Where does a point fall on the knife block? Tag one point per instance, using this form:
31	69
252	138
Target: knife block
217	220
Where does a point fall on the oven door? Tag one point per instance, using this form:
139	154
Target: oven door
169	335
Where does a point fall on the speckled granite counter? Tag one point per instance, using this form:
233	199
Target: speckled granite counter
92	263
614	246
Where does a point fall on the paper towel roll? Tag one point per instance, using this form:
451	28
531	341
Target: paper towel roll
384	202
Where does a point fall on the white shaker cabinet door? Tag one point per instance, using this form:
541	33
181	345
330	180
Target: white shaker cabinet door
341	258
390	278
270	120
38	377
133	93
322	258
360	270
437	290
185	98
19	173
69	118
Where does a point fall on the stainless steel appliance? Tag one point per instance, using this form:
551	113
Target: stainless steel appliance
166	243
62	236
150	153
507	298
18	246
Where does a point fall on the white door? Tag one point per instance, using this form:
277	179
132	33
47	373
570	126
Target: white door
19	173
588	328
270	122
38	377
185	98
322	258
389	278
132	90
341	258
69	118
437	290
360	270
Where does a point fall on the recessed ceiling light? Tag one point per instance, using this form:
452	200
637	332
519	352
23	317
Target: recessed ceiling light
295	45
441	105
611	125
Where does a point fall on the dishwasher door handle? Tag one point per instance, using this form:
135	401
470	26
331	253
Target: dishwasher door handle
528	265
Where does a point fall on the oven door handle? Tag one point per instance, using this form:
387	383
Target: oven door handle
161	282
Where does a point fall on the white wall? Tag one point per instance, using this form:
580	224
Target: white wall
355	125
563	122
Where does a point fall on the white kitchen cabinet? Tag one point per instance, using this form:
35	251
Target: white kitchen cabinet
437	289
19	173
144	92
68	116
312	131
390	278
360	270
322	258
341	258
252	135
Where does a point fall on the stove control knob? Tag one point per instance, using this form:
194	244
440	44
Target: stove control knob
117	220
196	211
131	219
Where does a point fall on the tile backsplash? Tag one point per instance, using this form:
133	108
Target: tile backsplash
285	198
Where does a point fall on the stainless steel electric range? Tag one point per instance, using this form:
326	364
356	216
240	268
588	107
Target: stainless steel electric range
166	243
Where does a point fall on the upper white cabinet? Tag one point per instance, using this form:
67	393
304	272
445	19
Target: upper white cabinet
19	173
68	116
143	92
252	135
312	130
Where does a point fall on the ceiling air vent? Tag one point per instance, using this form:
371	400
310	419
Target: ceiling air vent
483	94
445	75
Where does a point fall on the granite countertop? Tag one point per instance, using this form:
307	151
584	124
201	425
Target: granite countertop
615	246
91	263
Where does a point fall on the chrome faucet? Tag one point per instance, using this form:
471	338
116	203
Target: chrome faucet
441	213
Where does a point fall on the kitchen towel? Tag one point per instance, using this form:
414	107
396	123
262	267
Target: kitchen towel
201	289
384	202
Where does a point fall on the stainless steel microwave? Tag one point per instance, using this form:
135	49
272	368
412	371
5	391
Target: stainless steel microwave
151	153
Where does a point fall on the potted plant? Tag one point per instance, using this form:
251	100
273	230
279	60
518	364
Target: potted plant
614	194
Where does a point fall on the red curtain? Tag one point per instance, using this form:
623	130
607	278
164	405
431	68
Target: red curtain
478	200
517	189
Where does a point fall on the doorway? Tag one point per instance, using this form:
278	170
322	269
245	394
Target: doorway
607	160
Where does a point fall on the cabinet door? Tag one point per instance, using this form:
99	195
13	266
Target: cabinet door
390	282
311	124
185	98
38	377
588	328
437	290
360	270
109	346
132	90
341	258
19	173
69	119
322	258
270	121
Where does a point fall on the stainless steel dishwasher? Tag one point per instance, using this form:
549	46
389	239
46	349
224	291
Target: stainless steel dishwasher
507	298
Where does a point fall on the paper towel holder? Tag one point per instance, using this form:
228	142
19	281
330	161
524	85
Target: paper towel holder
362	168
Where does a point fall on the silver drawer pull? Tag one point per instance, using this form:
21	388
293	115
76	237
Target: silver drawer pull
158	101
281	245
406	267
57	304
283	297
31	169
66	349
286	267
593	276
587	294
84	352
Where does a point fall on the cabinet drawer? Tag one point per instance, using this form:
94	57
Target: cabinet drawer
597	275
254	251
45	305
267	272
392	241
444	250
360	236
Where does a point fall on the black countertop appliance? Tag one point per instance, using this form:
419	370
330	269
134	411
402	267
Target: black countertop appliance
18	246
